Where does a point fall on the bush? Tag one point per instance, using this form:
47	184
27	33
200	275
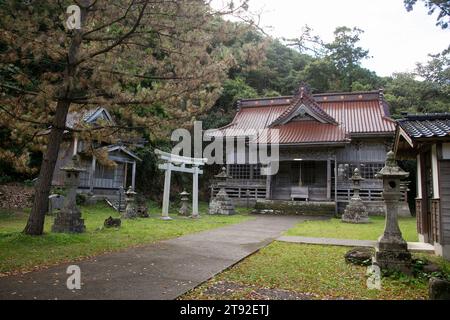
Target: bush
81	199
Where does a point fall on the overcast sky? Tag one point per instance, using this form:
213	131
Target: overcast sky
396	39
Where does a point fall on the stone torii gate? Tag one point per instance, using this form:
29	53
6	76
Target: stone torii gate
179	164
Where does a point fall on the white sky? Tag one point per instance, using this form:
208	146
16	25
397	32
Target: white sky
396	39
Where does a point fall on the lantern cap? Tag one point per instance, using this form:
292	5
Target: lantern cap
130	191
356	175
391	168
184	193
73	165
223	174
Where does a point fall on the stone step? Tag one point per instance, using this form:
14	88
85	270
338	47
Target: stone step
114	203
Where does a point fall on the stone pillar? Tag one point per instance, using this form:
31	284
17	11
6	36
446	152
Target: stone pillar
166	196
195	193
392	250
92	174
133	176
68	219
356	211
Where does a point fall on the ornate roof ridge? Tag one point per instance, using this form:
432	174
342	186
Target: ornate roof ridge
302	98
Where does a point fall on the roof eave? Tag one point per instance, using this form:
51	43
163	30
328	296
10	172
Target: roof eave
307	144
388	134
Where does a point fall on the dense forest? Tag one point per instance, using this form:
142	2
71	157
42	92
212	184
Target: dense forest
161	70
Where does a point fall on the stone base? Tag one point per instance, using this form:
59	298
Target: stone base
392	260
222	206
285	207
130	213
355	220
355	212
68	222
184	211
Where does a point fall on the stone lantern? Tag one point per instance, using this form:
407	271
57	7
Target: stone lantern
68	219
356	211
184	210
130	210
392	250
221	203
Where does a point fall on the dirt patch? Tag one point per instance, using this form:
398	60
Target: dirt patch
15	196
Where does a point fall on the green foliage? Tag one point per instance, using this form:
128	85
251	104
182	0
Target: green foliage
233	90
81	199
345	54
437	69
442	6
404	93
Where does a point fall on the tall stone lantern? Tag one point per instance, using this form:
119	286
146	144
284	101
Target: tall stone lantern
130	210
356	211
221	203
184	210
68	219
392	251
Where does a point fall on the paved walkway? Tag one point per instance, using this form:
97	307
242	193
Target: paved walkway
412	246
163	270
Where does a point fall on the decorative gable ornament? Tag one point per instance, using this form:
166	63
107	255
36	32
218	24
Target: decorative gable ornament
302	105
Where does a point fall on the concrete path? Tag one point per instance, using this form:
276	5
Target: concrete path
163	270
412	246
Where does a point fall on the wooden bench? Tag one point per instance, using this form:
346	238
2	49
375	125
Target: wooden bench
300	193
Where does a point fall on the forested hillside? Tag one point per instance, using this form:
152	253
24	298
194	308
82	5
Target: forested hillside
336	68
172	72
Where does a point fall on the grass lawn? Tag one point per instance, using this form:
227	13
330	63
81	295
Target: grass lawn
19	252
312	271
334	228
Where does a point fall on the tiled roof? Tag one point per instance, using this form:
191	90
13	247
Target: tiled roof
426	125
307	132
74	118
357	113
303	98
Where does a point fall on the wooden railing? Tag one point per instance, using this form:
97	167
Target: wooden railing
344	195
242	192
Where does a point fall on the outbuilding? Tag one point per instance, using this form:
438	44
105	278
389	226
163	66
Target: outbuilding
426	138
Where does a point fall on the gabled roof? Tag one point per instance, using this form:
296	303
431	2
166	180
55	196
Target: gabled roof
306	132
303	103
123	149
90	116
417	129
426	125
351	114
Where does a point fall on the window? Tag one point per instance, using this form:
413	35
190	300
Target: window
369	170
245	171
240	171
257	172
102	172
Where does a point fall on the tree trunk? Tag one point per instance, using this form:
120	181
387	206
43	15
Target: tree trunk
35	224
